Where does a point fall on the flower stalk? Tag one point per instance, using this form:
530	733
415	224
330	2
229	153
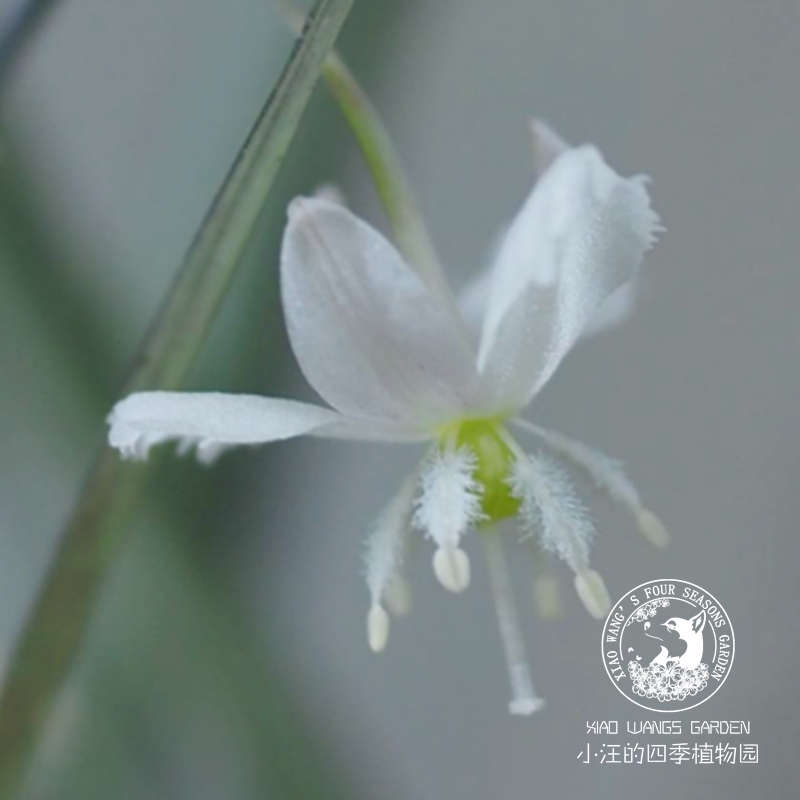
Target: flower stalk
386	168
52	636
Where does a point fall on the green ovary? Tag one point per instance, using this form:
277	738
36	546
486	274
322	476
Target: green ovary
495	460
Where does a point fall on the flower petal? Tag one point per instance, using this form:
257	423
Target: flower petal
472	300
370	430
616	309
580	235
474	296
213	421
366	332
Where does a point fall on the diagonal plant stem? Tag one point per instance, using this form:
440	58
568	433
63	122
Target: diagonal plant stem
52	636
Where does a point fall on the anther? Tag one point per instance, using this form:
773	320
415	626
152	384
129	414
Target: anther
651	527
593	593
398	596
452	569
546	597
377	628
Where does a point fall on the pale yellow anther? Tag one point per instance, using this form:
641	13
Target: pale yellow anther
377	628
546	596
398	596
452	569
593	593
651	527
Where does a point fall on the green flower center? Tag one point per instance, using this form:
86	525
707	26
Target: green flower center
494	462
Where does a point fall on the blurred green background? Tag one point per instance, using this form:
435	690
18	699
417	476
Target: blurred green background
228	658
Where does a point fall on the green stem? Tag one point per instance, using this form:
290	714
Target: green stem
392	185
53	634
387	171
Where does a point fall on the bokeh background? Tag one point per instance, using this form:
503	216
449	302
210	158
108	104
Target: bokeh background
228	657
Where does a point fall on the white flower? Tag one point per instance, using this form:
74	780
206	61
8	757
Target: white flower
396	360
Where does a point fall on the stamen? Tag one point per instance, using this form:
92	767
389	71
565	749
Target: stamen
378	624
607	474
524	700
398	596
384	554
384	557
593	593
549	502
452	568
449	503
551	508
651	527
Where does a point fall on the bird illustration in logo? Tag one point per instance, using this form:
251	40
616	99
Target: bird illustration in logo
691	631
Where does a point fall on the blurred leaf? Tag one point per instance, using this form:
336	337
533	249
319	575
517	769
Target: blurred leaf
19	22
54	633
39	271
